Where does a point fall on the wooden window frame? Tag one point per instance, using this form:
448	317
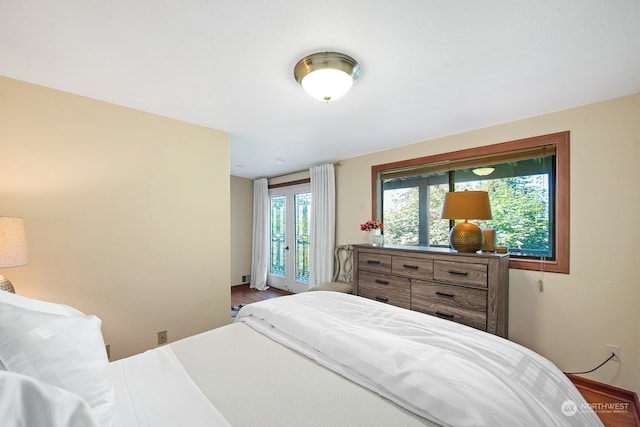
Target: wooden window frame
561	139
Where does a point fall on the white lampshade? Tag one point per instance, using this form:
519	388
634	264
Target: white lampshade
13	242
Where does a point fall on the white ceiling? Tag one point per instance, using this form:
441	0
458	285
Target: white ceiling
429	67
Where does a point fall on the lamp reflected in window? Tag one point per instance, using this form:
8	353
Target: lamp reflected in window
483	171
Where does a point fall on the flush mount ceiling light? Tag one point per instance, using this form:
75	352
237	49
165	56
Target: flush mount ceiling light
326	76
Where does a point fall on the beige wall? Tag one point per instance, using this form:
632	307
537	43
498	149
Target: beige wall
598	302
126	213
241	227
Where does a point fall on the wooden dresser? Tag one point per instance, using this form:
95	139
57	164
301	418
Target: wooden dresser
472	289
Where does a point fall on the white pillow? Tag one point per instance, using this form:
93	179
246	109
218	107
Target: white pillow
38	305
24	401
63	350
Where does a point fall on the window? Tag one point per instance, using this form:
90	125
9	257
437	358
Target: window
528	187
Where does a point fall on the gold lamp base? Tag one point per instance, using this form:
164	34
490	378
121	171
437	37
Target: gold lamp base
5	285
466	237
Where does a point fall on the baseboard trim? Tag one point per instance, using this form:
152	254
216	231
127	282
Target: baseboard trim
609	391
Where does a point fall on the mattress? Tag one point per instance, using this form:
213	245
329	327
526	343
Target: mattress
249	380
153	389
331	359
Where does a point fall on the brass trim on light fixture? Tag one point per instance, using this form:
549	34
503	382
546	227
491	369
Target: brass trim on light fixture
334	60
326	60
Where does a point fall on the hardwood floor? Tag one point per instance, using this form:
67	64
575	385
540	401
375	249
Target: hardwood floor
615	407
242	294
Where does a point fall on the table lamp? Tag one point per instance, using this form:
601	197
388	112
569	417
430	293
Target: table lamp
13	247
466	236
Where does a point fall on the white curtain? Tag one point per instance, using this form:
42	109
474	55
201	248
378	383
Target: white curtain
260	246
323	224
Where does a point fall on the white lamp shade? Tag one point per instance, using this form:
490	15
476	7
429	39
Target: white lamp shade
13	242
327	84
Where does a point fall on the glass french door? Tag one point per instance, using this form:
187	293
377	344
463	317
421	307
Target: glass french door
290	209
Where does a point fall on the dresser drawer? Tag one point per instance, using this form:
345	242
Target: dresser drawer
385	288
386	295
458	303
421	268
462	273
472	289
374	262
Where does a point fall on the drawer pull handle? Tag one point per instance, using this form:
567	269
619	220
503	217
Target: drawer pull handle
382	282
458	273
372	262
444	294
445	315
410	267
382	299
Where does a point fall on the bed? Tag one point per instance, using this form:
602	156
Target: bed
311	359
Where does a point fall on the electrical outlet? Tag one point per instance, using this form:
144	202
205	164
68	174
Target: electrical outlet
108	347
162	337
615	349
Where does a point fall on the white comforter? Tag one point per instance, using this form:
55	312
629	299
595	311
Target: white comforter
445	372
